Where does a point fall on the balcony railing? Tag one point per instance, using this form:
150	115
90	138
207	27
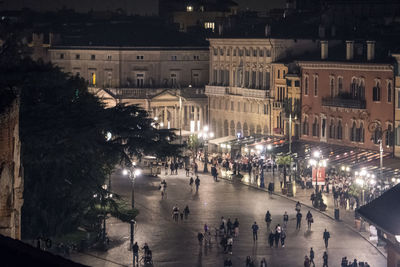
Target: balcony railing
344	103
246	92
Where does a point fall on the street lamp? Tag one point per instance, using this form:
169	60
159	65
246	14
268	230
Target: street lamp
364	179
132	177
205	135
318	162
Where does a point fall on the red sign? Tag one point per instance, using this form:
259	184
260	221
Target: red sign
321	175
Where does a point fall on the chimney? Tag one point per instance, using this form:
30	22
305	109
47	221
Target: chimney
370	50
321	31
324	49
267	30
349	50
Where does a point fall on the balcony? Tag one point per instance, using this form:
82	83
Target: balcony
344	103
246	92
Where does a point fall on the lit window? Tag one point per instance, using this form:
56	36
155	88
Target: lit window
189	8
209	25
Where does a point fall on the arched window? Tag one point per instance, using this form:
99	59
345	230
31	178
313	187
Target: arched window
315	127
245	130
332	129
362	89
360	133
252	129
340	84
389	91
306	85
353	132
353	87
388	136
239	129
316	86
376	92
232	129
226	129
339	131
332	87
305	126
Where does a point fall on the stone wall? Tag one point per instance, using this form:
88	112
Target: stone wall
11	173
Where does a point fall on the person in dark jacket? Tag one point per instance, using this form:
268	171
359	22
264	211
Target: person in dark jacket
312	257
326	237
271	238
254	227
298	220
268	218
325	258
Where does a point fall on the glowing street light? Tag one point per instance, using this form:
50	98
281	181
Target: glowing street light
132	177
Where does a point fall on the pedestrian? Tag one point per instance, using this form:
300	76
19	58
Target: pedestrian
268	219
298	220
236	227
309	219
255	229
186	211
277	234
176	167
197	182
196	167
248	260
271	238
187	171
135	249
306	261
205	228
263	263
326	237
312	257
283	237
175	212
181	216
224	243
223	223
200	237
298	206
229	226
172	167
325	258
191	181
230	244
166	168
285	219
214	173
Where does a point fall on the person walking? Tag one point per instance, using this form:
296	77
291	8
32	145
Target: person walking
277	234
310	219
326	237
176	167
175	212
172	167
306	261
312	257
200	237
214	173
248	260
325	259
283	237
197	182
298	206
135	249
255	230
186	212
298	220
263	263
206	228
236	227
271	238
285	219
229	226
191	182
187	171
268	219
224	243
230	244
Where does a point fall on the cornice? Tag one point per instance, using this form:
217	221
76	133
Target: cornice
345	66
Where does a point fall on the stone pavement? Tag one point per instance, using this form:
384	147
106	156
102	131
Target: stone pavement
347	216
175	243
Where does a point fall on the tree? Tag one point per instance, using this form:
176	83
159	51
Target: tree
284	161
193	145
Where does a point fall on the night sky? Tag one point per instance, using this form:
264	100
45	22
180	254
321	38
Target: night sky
140	7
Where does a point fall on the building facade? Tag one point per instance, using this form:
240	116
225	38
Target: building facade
397	106
348	102
168	82
243	88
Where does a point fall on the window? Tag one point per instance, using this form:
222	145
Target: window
247	52
340	84
245	107
316	86
195	79
265	109
398	135
240	52
253	79
173	79
315	127
174	58
306	85
284	73
332	87
61	56
139	80
140	57
261	52
305	126
376	92
232	105
228	52
360	133
353	132
279	74
77	56
389	91
209	25
93	57
226	105
388	136
297	83
93	78
267	52
109	57
234	52
238	106
221	51
339	130
189	8
332	130
260	79
254	52
109	78
215	51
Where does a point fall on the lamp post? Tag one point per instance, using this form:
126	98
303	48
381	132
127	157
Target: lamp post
363	178
318	162
376	128
205	135
132	177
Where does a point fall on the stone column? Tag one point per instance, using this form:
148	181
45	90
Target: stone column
165	117
175	122
195	118
201	117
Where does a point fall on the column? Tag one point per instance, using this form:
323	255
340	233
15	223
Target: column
201	117
175	123
165	117
195	118
257	77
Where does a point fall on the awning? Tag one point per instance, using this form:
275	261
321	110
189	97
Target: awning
221	140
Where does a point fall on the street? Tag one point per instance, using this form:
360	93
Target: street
176	244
